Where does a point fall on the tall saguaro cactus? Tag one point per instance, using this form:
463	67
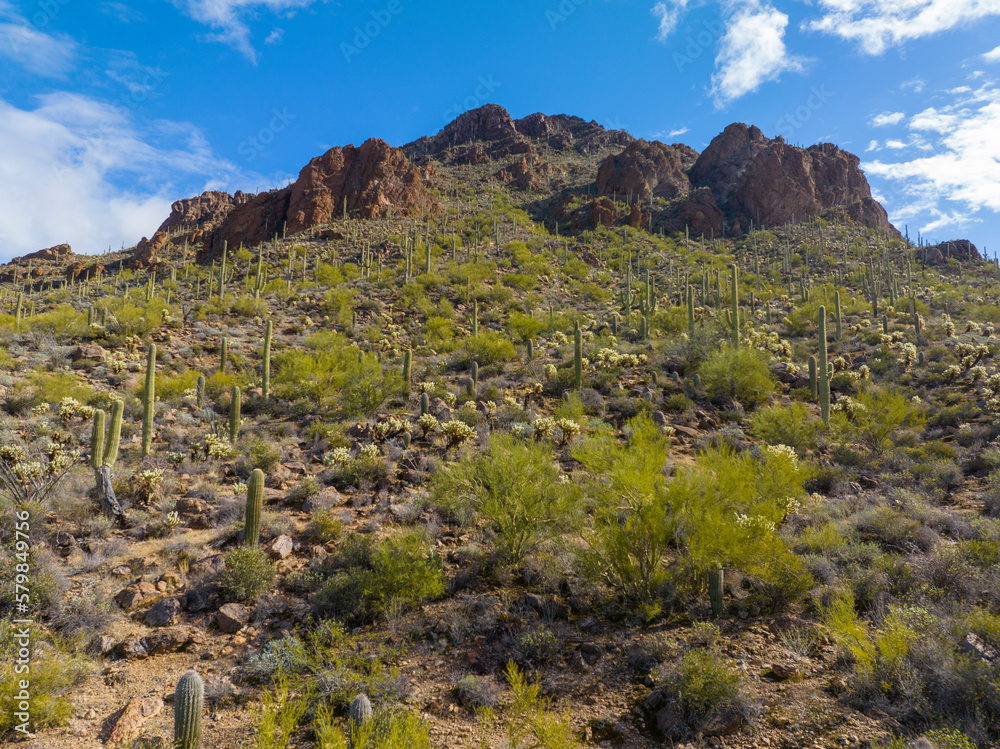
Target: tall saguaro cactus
148	400
838	320
189	699
407	364
234	416
690	305
255	505
266	367
823	367
578	359
734	278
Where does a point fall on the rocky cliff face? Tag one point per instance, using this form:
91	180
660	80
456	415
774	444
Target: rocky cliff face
645	170
769	182
743	177
374	180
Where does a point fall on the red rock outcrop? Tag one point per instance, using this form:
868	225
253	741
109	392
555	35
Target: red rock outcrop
960	249
375	179
56	254
647	169
772	183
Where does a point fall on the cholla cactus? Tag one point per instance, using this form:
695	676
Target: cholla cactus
369	452
949	329
978	373
908	354
569	429
145	484
427	423
218	448
457	433
337	457
952	373
389	427
551	372
70	408
849	407
544	427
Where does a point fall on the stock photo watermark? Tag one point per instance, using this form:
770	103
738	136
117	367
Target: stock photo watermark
21	702
792	121
365	34
562	12
481	95
256	144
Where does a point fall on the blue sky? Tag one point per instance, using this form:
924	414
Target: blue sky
110	111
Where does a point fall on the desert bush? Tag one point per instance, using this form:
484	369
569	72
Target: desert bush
632	520
402	570
742	373
488	348
516	486
791	425
248	573
873	417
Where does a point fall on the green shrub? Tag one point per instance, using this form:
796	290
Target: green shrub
402	570
632	523
706	683
515	486
248	573
874	417
742	373
790	425
488	348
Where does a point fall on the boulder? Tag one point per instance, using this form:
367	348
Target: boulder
232	617
165	613
125	725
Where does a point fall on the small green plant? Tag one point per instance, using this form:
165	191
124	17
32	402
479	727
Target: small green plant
741	373
513	484
248	573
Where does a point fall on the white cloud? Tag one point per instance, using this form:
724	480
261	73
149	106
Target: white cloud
873	145
62	164
962	176
888	118
228	17
669	14
122	13
895	144
677	132
992	55
752	50
275	37
36	51
876	26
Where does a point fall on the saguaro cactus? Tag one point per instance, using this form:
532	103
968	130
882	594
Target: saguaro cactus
234	415
255	505
425	403
715	587
838	320
735	301
690	306
148	400
577	359
407	362
224	357
823	369
812	376
475	318
200	392
189	699
266	368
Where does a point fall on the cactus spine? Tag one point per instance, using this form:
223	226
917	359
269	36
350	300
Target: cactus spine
188	701
234	416
824	369
734	279
149	400
255	504
266	370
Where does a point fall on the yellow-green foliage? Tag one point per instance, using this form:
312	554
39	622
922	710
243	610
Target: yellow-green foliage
632	519
489	348
727	509
791	425
530	721
173	386
801	321
881	650
706	683
128	317
742	373
334	371
513	484
881	412
52	387
62	321
524	327
51	677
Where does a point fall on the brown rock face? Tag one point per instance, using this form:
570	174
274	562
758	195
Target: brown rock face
375	180
647	169
960	249
56	254
772	183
